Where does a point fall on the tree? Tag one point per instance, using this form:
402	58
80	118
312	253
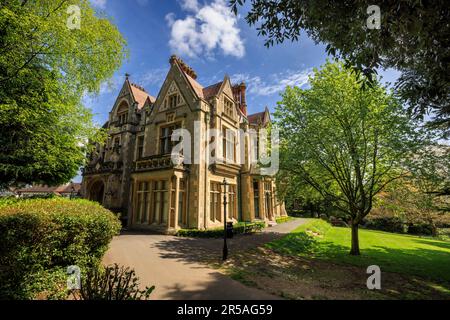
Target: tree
431	172
46	67
414	38
345	140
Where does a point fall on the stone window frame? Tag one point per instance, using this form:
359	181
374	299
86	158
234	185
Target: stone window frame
256	198
160	195
228	144
140	153
228	107
215	208
162	140
122	112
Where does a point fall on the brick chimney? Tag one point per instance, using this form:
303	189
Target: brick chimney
239	96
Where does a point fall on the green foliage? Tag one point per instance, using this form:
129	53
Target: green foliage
413	39
7	201
346	141
283	219
432	172
40	238
112	283
45	70
397	224
404	254
404	207
238	228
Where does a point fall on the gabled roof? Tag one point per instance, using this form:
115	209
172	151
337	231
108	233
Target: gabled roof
207	92
140	95
198	88
259	118
212	90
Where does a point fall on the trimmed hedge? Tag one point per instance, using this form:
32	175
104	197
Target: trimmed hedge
386	223
238	228
40	238
416	225
283	219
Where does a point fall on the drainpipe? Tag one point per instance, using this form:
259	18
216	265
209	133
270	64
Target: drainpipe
207	116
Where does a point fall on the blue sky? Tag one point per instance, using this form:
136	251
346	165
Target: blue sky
212	41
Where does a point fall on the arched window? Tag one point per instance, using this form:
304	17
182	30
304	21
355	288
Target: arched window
122	113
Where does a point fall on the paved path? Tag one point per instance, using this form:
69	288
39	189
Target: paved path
174	264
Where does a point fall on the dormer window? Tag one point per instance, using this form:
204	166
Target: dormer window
228	107
122	113
123	118
174	100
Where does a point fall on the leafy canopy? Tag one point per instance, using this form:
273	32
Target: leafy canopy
414	38
345	141
45	70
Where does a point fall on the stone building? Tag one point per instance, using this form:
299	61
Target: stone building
133	173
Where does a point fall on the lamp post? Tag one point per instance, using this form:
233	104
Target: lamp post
225	247
72	191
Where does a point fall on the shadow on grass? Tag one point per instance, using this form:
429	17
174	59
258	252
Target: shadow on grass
426	263
431	242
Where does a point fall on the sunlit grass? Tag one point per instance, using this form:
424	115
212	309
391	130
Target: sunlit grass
406	254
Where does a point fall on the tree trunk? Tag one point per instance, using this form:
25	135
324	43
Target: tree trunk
355	240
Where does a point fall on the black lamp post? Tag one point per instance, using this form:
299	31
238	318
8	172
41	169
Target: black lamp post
72	191
225	247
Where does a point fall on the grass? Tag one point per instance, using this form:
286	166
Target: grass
405	254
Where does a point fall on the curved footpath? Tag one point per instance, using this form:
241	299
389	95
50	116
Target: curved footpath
173	264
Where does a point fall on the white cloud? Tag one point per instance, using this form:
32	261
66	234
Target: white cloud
170	18
212	27
191	5
99	3
273	84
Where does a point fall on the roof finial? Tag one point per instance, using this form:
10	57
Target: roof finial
127	75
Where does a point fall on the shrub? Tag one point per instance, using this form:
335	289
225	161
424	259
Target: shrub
413	221
238	228
40	238
386	223
283	219
112	283
7	201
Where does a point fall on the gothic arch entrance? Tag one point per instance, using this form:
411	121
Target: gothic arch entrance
97	192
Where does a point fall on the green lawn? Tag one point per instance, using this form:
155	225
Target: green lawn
425	257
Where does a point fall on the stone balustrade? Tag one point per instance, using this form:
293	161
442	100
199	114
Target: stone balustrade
158	162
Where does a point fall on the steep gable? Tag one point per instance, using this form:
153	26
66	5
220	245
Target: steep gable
179	83
212	90
132	93
260	118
